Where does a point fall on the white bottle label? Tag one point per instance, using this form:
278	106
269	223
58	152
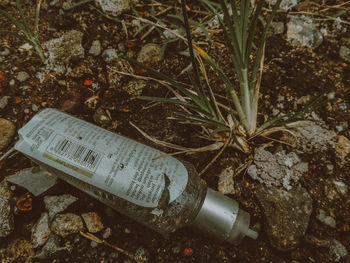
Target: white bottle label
104	159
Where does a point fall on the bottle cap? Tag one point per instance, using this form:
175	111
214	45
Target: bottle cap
221	218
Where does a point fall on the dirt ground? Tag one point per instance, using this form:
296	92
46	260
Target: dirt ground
292	74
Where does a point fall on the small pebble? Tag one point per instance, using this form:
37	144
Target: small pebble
325	219
7	131
93	222
95	48
22	76
109	55
93	244
107	233
5	52
4	101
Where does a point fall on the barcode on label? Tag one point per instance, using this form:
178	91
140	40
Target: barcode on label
76	152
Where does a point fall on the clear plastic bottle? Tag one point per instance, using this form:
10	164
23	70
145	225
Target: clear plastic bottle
164	194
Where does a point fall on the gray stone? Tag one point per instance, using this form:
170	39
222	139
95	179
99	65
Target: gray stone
302	31
5	52
286	215
51	247
93	222
56	204
64	225
60	50
226	183
311	137
6	210
135	87
278	169
109	55
95	48
344	53
325	219
338	251
41	231
107	233
341	187
4	101
7	131
22	76
113	7
150	53
35	107
285	4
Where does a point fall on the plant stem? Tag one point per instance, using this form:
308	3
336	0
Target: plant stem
244	85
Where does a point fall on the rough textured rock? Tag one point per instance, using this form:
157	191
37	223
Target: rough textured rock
4	101
95	48
311	137
278	169
285	4
22	76
343	146
150	53
302	31
110	55
135	87
60	50
51	247
93	222
226	183
344	51
6	210
338	251
113	7
7	131
326	219
56	204
41	231
286	215
65	224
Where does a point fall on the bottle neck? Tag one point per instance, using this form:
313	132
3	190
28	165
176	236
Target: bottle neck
221	218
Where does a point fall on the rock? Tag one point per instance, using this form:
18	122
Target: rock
278	169
66	224
302	31
109	55
35	107
107	233
311	137
6	210
341	187
285	4
337	250
60	50
22	76
56	204
51	247
41	231
343	147
344	53
135	87
286	215
327	220
5	52
226	183
93	222
113	7
4	101
101	117
95	48
150	53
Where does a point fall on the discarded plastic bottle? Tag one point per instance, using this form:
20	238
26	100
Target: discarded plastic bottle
161	193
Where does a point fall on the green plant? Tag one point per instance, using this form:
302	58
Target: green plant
27	35
200	104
